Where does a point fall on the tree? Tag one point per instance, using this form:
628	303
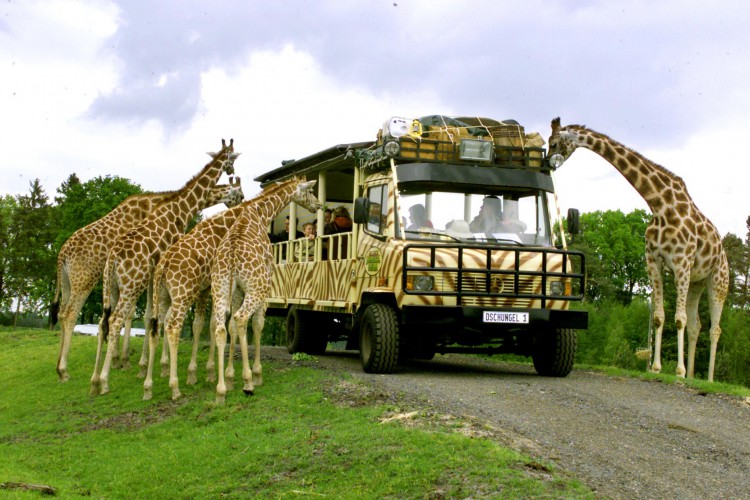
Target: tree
8	207
32	258
614	245
739	269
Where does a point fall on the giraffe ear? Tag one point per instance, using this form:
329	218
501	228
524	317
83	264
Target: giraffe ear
307	185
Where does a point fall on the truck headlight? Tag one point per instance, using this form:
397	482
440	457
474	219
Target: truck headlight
556	288
391	148
420	283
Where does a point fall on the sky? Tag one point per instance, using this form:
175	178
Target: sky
143	89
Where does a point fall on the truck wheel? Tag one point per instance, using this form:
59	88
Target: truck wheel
296	330
378	339
555	352
299	335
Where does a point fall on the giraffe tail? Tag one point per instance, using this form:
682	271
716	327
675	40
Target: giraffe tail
153	329
107	278
54	308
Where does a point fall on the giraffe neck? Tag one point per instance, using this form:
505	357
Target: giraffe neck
272	200
657	186
198	193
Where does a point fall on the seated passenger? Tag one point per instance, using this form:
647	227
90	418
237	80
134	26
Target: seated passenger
509	221
341	222
306	249
418	218
489	217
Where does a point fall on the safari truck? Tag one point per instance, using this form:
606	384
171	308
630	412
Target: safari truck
451	249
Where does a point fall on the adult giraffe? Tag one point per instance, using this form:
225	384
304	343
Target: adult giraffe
81	261
131	261
679	239
242	264
183	277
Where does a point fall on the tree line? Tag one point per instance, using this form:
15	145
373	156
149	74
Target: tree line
33	228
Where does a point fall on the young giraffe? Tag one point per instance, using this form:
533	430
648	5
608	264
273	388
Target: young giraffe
81	261
679	238
131	261
243	265
183	277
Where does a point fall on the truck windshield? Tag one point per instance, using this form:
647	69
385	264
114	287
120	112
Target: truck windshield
517	217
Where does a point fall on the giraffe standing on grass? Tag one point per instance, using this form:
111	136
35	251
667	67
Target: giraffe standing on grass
183	277
131	261
679	239
81	261
242	264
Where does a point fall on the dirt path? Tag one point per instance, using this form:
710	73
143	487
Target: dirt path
624	438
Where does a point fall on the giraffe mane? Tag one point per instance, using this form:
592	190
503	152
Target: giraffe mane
638	155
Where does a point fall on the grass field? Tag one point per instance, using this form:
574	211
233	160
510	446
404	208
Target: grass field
300	436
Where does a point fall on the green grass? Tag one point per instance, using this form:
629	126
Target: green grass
305	433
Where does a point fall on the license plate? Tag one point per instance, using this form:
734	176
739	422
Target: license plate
505	317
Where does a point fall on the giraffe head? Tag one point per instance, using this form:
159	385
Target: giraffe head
304	196
229	194
562	141
226	155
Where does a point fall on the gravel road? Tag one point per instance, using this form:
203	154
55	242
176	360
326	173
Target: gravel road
624	438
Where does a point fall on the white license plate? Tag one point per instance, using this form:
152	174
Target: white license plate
505	317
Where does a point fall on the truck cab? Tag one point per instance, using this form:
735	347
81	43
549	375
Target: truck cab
451	248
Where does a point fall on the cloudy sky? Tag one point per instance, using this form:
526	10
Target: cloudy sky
143	89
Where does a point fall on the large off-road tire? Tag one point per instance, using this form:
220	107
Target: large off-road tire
300	333
555	352
378	339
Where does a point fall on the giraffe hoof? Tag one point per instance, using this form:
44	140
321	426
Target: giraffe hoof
248	392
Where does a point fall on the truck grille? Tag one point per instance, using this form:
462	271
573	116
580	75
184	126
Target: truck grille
498	277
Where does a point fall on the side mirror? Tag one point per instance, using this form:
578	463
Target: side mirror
361	210
574	219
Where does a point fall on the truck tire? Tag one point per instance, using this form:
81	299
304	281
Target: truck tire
300	336
378	339
555	352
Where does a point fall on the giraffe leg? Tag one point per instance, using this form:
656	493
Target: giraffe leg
95	376
237	299
241	318
693	323
682	283
68	316
198	322
221	341
124	361
172	330
718	287
229	371
259	320
210	364
152	338
143	362
657	299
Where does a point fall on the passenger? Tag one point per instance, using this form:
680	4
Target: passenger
489	218
283	235
306	248
341	222
418	217
509	221
327	214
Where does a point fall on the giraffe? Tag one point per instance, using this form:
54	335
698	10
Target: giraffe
242	264
131	260
182	277
679	239
81	261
